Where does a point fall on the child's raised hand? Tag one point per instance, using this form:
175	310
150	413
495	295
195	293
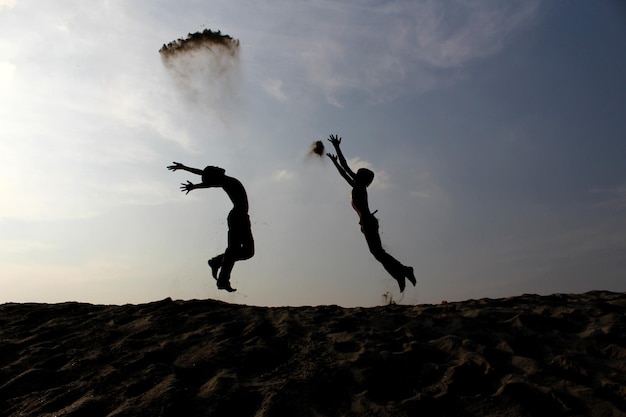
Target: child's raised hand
335	140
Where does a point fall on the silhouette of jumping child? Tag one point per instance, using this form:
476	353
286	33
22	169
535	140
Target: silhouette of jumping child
369	223
240	241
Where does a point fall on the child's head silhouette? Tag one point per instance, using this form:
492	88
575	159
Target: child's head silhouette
212	175
364	177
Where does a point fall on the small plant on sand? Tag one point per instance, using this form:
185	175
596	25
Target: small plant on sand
388	298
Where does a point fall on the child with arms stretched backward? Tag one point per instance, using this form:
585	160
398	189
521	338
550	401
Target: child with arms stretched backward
240	241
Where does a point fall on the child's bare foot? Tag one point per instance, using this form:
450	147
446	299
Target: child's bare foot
225	286
410	275
215	267
401	283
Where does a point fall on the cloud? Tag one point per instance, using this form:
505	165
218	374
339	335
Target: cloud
449	34
143	106
379	49
7	3
274	88
283	175
7	73
325	66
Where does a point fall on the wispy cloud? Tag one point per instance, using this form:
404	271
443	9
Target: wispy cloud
274	88
7	4
452	33
325	63
142	106
7	73
283	175
379	49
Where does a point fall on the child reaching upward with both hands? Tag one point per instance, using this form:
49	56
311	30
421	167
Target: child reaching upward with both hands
359	182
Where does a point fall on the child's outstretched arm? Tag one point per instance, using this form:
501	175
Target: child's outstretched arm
343	173
178	165
336	141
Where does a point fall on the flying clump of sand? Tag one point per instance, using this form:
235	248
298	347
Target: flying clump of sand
205	68
525	356
206	39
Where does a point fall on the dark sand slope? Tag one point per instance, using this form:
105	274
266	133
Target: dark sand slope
559	355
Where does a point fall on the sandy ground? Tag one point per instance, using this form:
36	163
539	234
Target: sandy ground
558	355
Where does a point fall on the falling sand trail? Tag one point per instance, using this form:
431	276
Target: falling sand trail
205	69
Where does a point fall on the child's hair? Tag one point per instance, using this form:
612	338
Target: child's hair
365	176
211	173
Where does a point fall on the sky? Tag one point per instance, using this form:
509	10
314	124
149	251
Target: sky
497	132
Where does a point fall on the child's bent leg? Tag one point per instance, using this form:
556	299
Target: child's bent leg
394	267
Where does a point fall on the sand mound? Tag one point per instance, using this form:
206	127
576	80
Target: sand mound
559	355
